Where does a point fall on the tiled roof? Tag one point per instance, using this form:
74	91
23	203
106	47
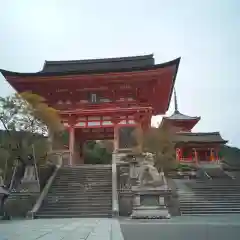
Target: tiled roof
199	137
126	64
99	64
179	116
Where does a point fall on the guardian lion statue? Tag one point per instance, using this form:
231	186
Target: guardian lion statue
148	174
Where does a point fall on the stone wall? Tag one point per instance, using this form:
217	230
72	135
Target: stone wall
20	202
125	196
172	201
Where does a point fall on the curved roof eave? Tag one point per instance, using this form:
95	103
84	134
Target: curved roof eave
174	62
182	119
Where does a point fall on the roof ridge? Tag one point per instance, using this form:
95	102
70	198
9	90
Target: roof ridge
178	112
199	133
101	60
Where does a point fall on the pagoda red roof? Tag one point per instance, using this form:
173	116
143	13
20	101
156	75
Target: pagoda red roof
179	120
179	116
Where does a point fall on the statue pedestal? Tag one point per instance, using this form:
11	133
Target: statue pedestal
149	202
29	182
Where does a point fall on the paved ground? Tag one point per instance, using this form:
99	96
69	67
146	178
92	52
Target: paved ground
178	228
61	229
183	228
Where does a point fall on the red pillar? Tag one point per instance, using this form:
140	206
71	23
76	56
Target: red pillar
71	144
195	155
178	154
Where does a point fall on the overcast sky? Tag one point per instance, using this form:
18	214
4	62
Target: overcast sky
205	33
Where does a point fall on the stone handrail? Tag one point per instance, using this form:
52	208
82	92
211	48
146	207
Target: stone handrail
115	206
43	194
164	180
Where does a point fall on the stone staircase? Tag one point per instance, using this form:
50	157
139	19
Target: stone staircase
214	171
219	196
80	191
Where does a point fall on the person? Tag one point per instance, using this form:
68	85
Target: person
30	161
4	193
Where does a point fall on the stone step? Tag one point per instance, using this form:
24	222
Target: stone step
73	170
77	204
88	166
80	193
76	186
96	185
213	185
64	206
209	193
61	208
80	181
210	196
79	196
84	174
209	203
86	169
215	200
215	190
77	212
210	207
101	173
208	213
216	186
91	175
83	178
78	199
81	190
217	211
207	185
81	184
90	193
69	173
77	215
202	202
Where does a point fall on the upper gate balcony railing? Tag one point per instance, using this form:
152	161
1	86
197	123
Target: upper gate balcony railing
106	103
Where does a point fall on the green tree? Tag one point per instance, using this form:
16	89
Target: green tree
96	153
159	142
27	121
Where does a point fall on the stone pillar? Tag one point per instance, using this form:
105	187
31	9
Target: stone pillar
140	140
116	137
30	181
81	143
71	144
50	140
